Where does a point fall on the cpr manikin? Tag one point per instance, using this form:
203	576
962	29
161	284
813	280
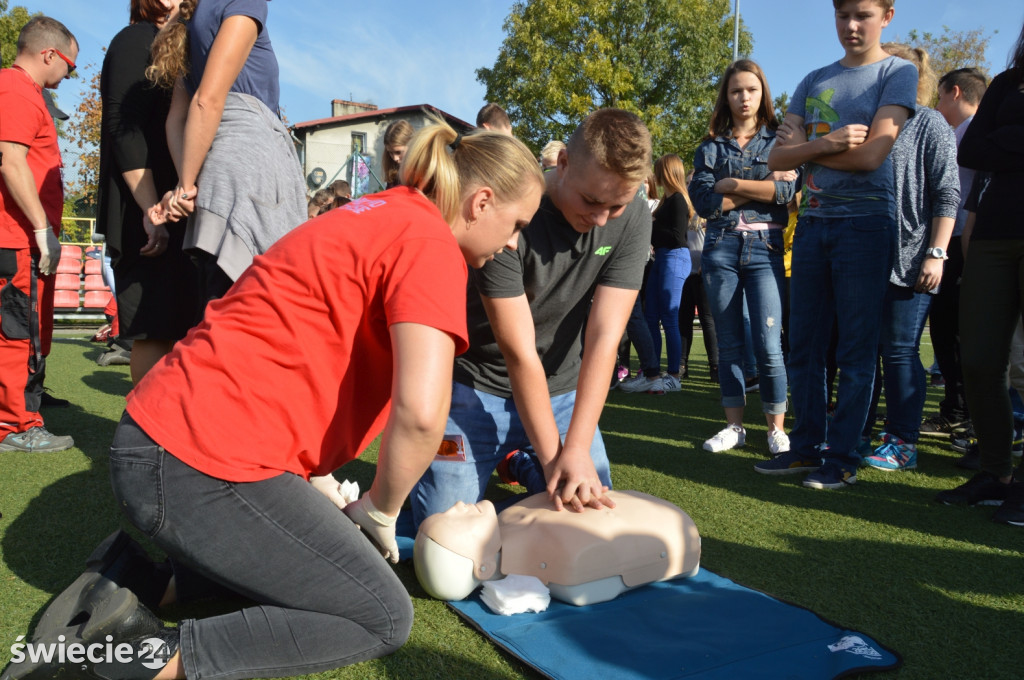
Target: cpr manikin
582	557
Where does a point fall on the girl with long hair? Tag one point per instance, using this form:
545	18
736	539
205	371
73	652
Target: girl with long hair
745	207
396	141
239	179
346	328
670	267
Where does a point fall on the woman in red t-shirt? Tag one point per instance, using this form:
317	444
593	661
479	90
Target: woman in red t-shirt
347	326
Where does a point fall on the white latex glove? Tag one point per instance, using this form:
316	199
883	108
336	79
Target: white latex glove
339	493
49	250
377	526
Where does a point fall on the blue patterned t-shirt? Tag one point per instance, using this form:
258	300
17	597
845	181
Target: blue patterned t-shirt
835	96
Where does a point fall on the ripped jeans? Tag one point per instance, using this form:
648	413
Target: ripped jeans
747	263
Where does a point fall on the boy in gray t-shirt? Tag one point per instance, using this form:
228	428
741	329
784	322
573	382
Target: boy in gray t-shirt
545	323
841	126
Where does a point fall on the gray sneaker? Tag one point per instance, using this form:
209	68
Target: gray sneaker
36	440
115	356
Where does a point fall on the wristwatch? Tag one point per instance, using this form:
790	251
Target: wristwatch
937	253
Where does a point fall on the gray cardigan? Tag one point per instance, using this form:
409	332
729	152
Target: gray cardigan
927	186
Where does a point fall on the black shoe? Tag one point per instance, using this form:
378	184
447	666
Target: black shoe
971	460
118	562
47	400
119	616
941	426
1012	509
983	488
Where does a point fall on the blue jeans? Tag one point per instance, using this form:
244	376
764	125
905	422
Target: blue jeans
840	270
747	265
640	335
664	291
324	597
490	429
903	375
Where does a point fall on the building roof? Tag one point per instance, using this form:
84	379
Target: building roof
380	114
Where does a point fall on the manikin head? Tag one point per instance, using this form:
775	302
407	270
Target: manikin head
457	550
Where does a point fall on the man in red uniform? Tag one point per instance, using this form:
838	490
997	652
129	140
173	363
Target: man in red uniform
31	204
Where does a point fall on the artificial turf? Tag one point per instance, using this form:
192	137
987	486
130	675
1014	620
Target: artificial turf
941	585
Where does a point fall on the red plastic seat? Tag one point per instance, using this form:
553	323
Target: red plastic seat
67	282
74	252
94	252
69	265
95	282
96	299
65	299
93	266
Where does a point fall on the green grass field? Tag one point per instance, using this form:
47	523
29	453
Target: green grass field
943	586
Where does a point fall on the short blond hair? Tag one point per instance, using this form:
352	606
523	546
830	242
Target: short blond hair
616	140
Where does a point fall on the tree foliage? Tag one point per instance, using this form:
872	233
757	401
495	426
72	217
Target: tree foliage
661	59
951	49
83	130
11	23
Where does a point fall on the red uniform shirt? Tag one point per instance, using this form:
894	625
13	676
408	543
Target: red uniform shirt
291	370
25	120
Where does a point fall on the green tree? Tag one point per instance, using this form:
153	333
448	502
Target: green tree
11	23
951	49
562	59
83	130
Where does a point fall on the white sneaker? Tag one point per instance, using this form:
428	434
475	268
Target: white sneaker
671	383
778	442
731	437
640	383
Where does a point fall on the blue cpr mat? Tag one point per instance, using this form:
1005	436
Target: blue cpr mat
701	627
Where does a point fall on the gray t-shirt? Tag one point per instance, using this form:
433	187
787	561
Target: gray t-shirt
927	186
558	269
835	96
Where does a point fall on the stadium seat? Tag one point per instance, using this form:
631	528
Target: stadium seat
69	265
65	300
95	282
74	252
67	282
96	299
93	266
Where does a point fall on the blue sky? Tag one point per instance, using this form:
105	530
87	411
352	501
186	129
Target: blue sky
404	52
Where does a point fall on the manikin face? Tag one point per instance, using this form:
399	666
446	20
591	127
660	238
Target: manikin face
744	95
859	25
588	195
497	226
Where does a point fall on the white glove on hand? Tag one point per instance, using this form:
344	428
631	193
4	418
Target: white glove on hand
377	526
339	493
49	250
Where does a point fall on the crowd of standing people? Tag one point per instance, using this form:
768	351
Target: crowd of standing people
472	312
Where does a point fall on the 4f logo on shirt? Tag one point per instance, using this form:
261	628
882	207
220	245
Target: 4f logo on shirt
603	250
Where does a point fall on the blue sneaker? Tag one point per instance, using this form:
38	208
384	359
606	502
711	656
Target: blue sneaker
894	454
788	463
832	475
865	450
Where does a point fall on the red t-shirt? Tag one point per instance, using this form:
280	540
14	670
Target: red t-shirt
25	120
291	370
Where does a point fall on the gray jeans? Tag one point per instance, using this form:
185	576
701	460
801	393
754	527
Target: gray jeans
326	597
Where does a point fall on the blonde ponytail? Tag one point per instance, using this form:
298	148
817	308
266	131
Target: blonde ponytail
483	158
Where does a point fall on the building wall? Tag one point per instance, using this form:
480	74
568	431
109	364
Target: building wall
330	148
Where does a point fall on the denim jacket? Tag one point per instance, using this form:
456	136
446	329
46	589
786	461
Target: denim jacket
722	157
